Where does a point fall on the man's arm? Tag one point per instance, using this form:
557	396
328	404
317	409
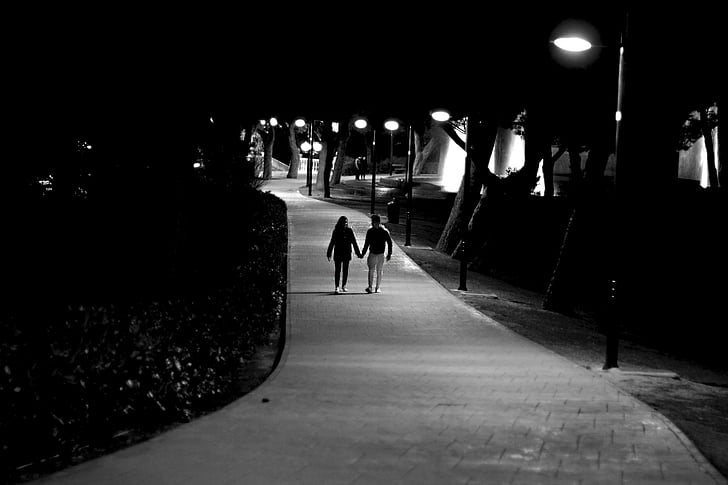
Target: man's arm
366	245
389	245
356	245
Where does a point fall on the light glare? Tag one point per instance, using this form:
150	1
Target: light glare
440	115
572	44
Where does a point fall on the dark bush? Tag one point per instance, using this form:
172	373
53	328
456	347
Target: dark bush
79	374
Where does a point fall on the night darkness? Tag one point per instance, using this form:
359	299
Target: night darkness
107	103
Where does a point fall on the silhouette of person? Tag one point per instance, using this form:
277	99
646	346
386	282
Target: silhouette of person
342	240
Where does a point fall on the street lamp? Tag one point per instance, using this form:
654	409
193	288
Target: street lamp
392	126
442	116
578	44
410	163
362	124
300	122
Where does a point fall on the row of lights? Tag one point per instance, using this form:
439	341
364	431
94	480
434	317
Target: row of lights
569	43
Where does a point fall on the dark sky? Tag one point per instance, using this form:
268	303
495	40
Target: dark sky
137	63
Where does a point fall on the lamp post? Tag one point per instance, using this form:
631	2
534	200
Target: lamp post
576	44
443	116
311	149
466	204
410	163
309	171
391	126
362	124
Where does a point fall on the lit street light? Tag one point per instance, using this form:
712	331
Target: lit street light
362	124
392	126
443	116
577	44
300	122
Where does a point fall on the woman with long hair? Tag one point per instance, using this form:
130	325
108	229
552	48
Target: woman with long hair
342	240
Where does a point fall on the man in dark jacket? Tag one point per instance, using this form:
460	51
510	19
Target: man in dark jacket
377	238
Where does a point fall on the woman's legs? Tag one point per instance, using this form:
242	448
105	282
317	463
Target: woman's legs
337	272
344	273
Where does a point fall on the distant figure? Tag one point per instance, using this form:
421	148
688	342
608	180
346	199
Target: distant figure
376	239
362	168
357	168
342	239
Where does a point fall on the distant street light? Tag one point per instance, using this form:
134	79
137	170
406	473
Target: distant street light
440	115
362	124
300	122
391	126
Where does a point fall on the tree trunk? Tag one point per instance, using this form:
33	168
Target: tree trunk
326	158
343	140
431	156
482	142
709	149
269	138
321	173
722	173
575	165
295	161
537	148
548	171
560	294
419	153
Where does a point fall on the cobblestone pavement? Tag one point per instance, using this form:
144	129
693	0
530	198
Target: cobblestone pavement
407	386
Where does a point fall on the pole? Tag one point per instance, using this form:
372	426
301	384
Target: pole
309	176
612	331
410	143
374	166
391	153
466	204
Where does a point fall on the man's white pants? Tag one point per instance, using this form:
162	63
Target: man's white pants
375	263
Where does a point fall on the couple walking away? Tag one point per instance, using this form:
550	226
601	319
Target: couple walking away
343	239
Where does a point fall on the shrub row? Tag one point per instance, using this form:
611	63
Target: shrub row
75	380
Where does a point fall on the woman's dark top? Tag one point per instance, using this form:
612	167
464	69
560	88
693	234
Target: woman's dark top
341	242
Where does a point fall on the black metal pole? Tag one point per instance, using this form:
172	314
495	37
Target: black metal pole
408	176
466	204
310	158
612	329
391	153
612	350
374	166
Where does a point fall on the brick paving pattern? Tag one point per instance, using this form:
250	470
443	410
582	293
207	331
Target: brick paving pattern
407	386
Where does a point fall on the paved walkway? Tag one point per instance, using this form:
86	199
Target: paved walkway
407	386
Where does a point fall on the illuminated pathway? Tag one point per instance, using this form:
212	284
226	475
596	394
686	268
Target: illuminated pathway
407	386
